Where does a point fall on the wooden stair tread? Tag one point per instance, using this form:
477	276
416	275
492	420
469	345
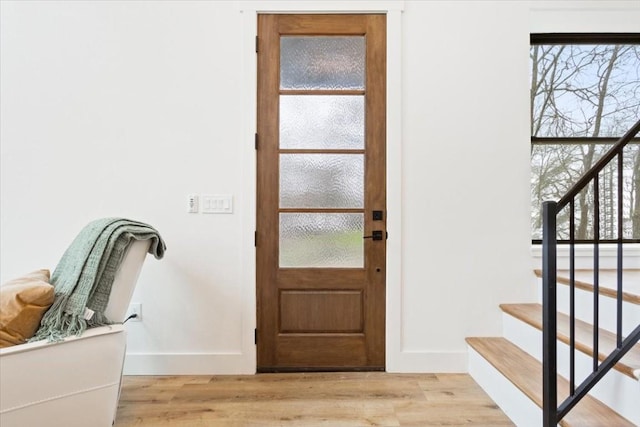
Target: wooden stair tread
630	276
532	315
525	372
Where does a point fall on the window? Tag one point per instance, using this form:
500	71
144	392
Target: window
585	94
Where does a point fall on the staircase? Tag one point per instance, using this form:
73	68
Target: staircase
509	368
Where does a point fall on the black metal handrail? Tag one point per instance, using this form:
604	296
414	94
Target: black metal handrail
600	164
552	414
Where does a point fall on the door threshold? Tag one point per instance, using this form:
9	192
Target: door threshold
276	370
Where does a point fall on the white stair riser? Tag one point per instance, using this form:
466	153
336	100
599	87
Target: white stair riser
616	390
515	404
608	309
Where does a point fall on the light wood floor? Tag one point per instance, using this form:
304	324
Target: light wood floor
313	399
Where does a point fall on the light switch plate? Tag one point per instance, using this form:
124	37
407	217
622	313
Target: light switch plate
217	203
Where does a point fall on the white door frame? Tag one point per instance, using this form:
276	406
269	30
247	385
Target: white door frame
393	10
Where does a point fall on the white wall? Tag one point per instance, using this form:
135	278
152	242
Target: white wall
465	175
124	108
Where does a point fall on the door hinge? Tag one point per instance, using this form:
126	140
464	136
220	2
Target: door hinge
256	141
255	336
255	239
257	41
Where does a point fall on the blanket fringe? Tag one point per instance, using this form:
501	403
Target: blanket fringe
98	319
56	324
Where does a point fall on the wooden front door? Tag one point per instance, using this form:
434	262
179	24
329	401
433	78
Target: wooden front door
321	194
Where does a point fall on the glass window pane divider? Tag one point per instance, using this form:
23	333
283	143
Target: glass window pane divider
345	92
320	151
578	140
321	210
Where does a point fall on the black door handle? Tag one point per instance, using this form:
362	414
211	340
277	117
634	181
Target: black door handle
375	235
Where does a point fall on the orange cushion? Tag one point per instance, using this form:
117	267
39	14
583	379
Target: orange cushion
23	302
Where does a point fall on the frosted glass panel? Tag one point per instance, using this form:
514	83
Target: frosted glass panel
321	180
315	62
322	121
321	240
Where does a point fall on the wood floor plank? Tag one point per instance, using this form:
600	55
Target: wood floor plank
310	386
307	399
445	397
269	413
525	373
532	315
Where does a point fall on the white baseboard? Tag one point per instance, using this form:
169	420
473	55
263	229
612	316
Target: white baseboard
427	362
188	364
237	363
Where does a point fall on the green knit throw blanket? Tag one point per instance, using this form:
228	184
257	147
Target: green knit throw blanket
83	278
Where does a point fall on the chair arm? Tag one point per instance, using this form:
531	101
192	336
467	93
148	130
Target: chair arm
74	382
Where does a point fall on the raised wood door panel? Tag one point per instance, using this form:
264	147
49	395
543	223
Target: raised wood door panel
321	293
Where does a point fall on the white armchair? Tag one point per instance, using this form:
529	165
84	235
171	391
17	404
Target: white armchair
74	382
